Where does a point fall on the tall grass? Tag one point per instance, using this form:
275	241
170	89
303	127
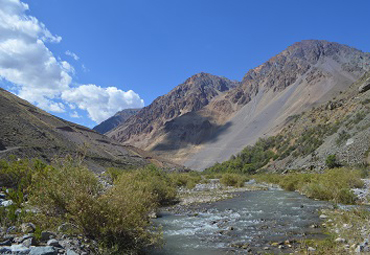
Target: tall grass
333	185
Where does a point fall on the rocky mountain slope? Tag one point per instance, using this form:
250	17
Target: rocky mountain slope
338	129
306	74
118	119
146	129
28	132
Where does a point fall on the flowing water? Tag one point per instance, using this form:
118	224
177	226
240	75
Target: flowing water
250	222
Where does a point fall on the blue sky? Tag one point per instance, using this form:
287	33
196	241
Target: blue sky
152	46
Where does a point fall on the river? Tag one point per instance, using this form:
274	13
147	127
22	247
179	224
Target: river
254	221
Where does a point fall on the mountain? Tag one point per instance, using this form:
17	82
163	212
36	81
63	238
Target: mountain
114	121
338	129
306	74
29	132
145	129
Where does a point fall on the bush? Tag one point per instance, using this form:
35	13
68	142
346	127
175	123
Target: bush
331	161
333	185
235	180
117	219
188	180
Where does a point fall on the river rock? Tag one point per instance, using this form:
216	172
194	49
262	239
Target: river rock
45	250
46	235
71	252
28	227
6	243
19	249
20	239
54	243
28	242
5	250
323	216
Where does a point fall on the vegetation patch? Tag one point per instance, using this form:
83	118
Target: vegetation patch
333	185
68	193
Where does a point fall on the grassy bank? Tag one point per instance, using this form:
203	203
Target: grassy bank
333	185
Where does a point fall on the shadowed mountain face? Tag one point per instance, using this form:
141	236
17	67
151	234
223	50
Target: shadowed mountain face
114	121
221	122
28	132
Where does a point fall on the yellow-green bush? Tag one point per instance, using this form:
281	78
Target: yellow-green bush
236	180
116	218
334	185
188	180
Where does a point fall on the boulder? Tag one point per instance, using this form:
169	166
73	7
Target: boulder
46	236
19	249
5	250
364	87
28	227
323	216
54	243
43	250
20	239
71	252
28	242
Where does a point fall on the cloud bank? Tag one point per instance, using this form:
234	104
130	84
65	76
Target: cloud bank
44	80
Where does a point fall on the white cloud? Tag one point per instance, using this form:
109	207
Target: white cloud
26	61
75	115
102	103
40	78
73	55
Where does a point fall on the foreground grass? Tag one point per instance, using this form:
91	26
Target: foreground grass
333	185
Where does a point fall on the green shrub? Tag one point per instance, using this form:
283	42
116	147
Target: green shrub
236	180
331	161
188	180
117	218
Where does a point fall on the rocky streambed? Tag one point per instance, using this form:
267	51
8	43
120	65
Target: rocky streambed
253	221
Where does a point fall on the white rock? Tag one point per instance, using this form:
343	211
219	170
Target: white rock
7	203
323	216
340	240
